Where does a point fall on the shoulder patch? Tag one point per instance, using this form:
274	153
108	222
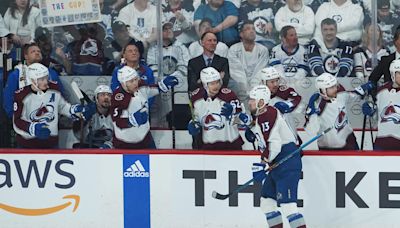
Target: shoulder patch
226	91
196	91
283	88
20	90
119	96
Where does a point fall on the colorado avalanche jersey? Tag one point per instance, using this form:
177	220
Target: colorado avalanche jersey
294	64
98	131
333	113
272	132
31	107
124	104
337	60
218	131
388	102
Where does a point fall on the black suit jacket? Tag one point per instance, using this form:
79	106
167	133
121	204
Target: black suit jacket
197	64
382	69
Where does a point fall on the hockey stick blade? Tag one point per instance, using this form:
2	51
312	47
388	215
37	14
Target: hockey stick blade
220	196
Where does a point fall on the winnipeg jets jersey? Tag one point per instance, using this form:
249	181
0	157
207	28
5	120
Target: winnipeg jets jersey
321	59
388	102
363	61
31	107
218	131
124	104
271	132
182	29
333	113
293	64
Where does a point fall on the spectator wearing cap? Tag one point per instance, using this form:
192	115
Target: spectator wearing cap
131	56
51	57
196	47
175	58
349	18
387	22
224	17
180	14
22	19
140	17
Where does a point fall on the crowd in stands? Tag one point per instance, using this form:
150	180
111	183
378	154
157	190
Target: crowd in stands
299	38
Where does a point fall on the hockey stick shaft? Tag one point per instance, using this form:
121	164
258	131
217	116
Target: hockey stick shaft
219	196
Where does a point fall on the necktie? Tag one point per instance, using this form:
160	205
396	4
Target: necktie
209	60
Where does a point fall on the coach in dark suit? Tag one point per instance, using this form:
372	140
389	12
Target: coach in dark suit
384	64
207	59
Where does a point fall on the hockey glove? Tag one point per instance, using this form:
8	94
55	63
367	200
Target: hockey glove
76	111
193	128
367	109
245	118
227	110
259	170
284	106
89	110
167	83
311	109
364	88
138	118
39	130
250	136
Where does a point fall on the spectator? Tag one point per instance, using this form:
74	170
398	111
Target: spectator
315	4
22	19
175	60
180	14
37	106
245	60
290	58
17	79
196	48
224	17
349	18
98	130
262	16
331	54
363	54
299	16
51	57
208	58
86	54
215	109
388	22
140	17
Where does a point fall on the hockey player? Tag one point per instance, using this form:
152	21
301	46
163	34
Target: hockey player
331	54
388	107
327	108
283	98
98	130
217	110
36	109
275	141
130	108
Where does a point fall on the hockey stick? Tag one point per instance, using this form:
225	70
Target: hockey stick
219	196
79	94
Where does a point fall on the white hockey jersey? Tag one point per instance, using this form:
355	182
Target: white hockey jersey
30	107
218	131
303	21
98	131
349	18
124	104
363	62
183	30
333	113
195	49
388	104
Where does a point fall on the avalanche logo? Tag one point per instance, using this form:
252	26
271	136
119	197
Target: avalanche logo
89	47
212	121
43	114
341	120
391	113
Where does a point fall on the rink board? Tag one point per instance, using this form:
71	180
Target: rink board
167	188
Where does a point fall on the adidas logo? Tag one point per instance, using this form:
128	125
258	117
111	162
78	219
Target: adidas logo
136	170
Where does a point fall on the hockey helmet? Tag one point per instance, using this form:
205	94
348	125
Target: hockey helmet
126	73
393	68
36	71
102	89
260	92
324	81
208	75
267	73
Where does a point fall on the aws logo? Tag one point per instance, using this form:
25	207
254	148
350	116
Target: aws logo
31	172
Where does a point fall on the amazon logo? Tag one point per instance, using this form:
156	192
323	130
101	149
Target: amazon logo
30	176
